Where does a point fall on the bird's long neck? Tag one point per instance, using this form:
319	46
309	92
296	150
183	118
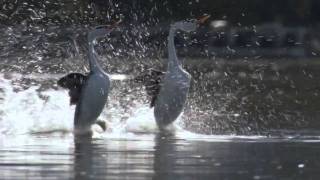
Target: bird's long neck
173	59
93	58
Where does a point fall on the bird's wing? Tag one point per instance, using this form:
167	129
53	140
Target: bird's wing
152	80
73	82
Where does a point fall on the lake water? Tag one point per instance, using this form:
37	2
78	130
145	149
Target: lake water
158	157
36	140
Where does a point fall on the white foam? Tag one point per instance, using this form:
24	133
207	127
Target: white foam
30	111
142	121
25	112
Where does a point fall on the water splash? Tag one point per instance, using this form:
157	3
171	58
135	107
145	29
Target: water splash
33	111
33	104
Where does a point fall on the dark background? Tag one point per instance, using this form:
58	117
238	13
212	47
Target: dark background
245	12
62	23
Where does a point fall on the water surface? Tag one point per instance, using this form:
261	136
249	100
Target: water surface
158	157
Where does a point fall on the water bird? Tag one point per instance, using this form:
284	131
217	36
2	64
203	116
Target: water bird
169	90
89	92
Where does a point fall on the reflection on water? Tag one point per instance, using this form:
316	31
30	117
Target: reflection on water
23	157
103	159
157	157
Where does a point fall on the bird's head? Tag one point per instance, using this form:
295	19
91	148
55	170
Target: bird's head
191	24
101	31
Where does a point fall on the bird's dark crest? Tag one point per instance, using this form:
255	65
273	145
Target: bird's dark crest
151	79
73	82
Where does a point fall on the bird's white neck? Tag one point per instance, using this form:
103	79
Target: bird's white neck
93	58
173	59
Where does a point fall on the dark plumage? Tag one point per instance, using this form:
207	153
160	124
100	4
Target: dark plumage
151	79
73	82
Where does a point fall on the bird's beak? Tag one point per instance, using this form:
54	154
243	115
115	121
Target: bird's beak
203	19
115	24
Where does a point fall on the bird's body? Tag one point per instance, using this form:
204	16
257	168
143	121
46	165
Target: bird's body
89	93
168	91
94	95
171	93
172	97
174	88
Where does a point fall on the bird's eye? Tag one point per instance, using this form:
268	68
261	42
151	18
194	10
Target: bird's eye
191	20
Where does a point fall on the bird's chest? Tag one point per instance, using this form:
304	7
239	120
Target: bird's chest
179	80
97	87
